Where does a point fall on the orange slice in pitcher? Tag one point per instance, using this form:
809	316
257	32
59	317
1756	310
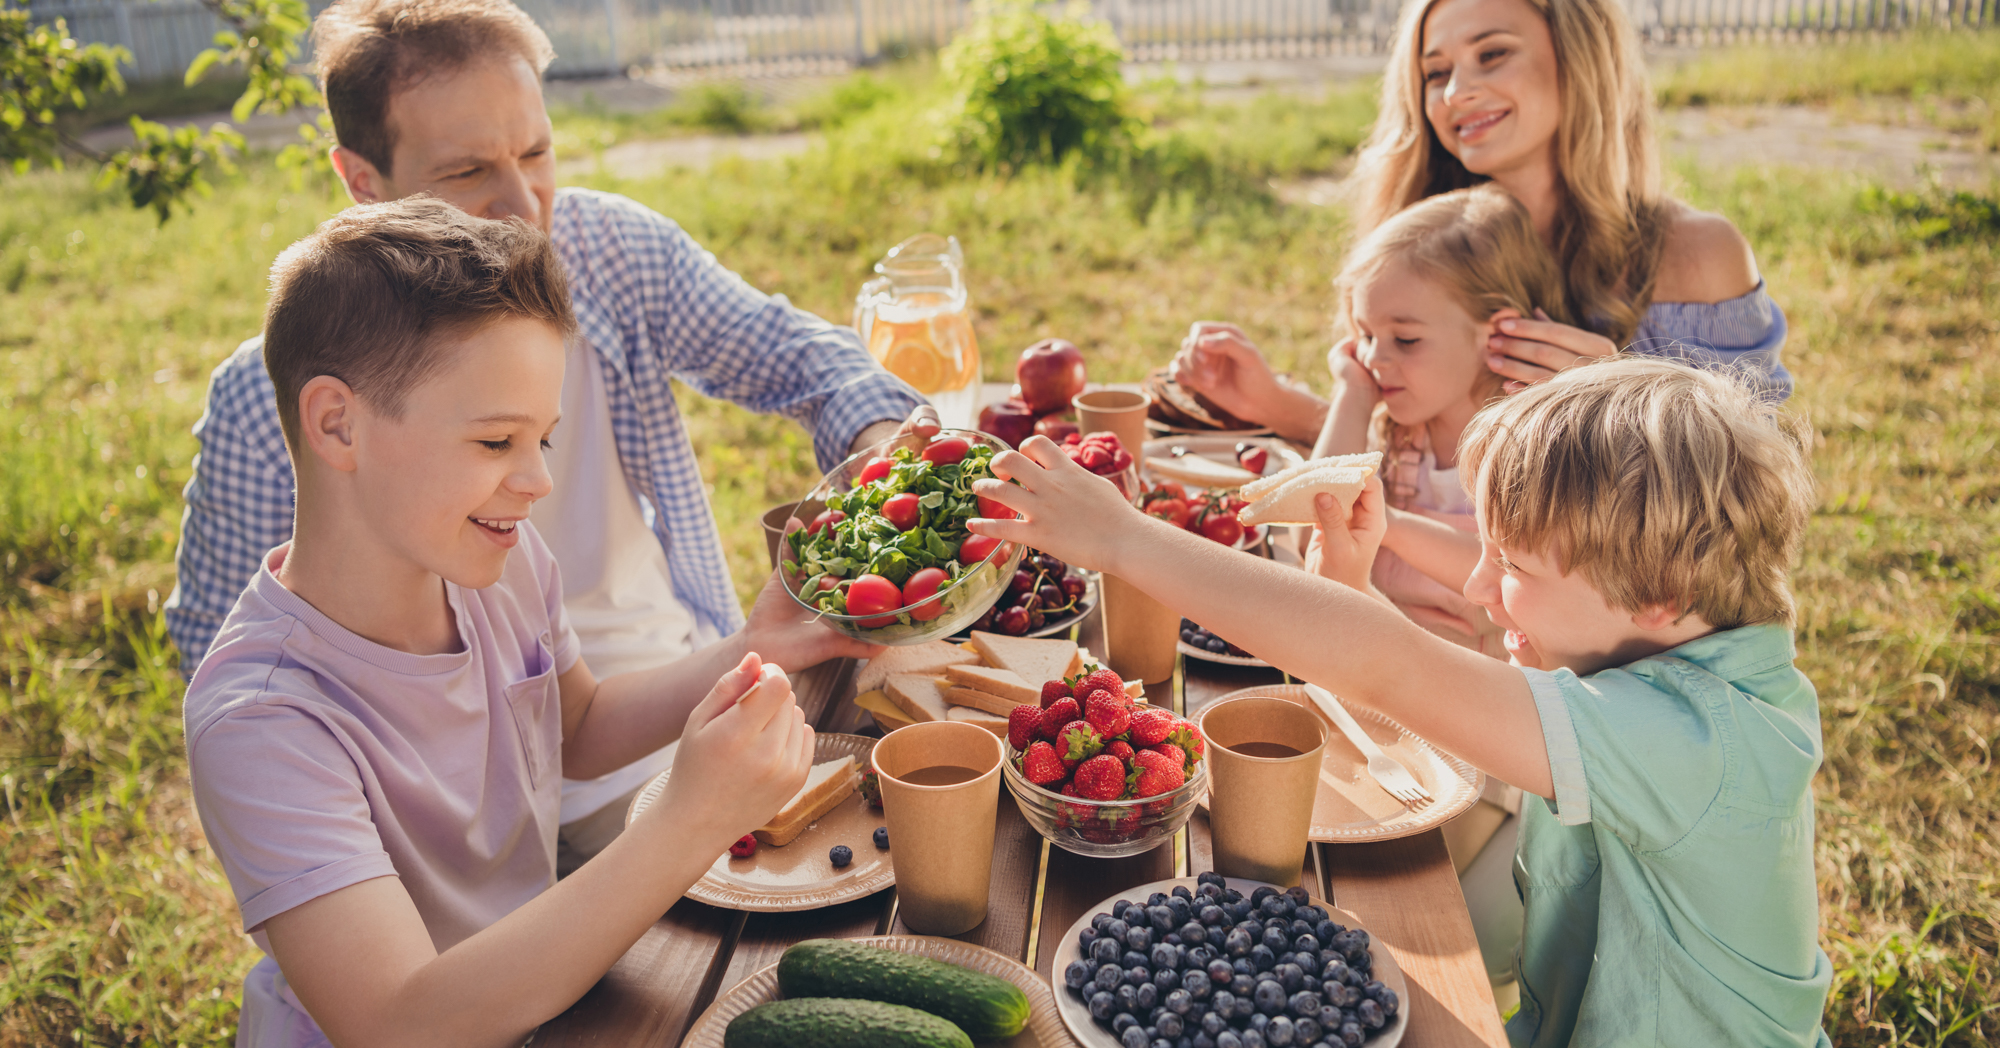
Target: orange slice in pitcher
916	361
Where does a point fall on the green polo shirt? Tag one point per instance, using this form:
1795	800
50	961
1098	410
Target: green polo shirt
1669	888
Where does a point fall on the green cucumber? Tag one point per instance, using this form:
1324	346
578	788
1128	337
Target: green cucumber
986	1007
821	1022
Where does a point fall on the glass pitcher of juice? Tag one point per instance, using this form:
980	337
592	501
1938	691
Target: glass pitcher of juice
917	323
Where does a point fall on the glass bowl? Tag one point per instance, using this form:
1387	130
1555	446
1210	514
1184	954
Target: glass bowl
1106	829
965	599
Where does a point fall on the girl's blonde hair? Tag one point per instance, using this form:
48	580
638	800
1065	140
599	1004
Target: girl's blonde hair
1480	247
1611	221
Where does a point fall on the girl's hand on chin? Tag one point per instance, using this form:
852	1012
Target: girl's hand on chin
1348	370
1064	510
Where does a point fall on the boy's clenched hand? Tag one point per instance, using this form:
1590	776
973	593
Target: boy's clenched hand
1344	544
746	751
1065	510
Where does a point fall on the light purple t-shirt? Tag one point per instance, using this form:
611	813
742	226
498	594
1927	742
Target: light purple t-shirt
321	759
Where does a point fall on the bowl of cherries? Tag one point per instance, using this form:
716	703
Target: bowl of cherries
1044	596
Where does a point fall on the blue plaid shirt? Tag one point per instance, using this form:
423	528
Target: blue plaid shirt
654	305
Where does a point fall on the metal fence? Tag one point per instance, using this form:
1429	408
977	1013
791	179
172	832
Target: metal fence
779	37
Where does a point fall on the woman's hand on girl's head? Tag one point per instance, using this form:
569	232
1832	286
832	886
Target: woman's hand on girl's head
1528	351
1062	509
746	751
1344	542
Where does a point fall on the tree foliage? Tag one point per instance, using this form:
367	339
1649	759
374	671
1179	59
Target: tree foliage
1029	87
44	72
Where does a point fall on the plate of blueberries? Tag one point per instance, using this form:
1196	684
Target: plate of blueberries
1198	643
1205	962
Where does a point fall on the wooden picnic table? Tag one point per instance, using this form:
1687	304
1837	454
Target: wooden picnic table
1405	892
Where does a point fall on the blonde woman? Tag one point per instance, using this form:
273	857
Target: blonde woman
1548	99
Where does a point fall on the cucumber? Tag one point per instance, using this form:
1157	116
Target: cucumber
986	1007
821	1022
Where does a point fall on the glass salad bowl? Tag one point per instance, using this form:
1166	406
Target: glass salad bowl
878	548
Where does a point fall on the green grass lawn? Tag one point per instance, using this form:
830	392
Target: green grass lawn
116	926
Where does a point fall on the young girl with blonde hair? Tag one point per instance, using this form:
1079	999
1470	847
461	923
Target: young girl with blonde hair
1548	100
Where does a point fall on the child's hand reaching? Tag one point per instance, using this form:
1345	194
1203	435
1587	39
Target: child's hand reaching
746	751
1344	544
1066	511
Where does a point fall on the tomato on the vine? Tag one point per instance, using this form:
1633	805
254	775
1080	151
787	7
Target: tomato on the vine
903	511
920	594
946	451
1171	510
1223	528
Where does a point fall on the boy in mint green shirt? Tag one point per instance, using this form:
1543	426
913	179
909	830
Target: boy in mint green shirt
1636	520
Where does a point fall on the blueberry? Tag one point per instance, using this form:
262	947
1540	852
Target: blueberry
1242	966
1199	956
1196	984
1239	909
1236	943
1270	997
1308	963
1171	939
1077	974
1297	927
1131	959
1228	1039
1335	971
1307	943
1161	917
1272	906
1118	908
1156	899
1122	1022
1102	1005
840	856
1184	1042
1170	1025
1136	975
1213	1022
1139	937
1371	1015
1258	1020
1211	916
1374	989
1098	922
1193	934
1135	1037
1257	897
1161	1042
1210	877
1263	958
1220	971
1290	976
1107	977
1244	1006
1085	938
1341	995
1166	979
1326	930
1276	940
1127	997
1178	1001
1278	1032
1115	928
1149	995
1201	1040
1164	956
1243	986
1251	1038
1305	1031
1351	1035
1304	1002
1388	1001
1107	950
1224	1003
1298	895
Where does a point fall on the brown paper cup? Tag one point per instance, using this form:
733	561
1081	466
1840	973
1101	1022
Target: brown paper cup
1140	633
1122	411
940	837
1259	808
774	523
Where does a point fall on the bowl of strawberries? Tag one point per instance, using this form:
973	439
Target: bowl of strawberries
1099	774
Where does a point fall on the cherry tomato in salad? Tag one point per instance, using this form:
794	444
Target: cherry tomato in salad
946	451
920	594
1222	528
903	511
976	548
873	595
825	520
877	468
994	510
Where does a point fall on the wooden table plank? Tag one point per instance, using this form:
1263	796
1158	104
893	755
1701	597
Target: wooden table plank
651	995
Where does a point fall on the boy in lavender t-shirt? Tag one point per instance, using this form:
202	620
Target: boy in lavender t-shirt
378	735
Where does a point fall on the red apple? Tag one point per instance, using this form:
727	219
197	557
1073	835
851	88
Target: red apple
1050	373
1010	420
1054	426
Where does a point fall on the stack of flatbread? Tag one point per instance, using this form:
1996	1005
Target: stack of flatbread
1287	497
979	683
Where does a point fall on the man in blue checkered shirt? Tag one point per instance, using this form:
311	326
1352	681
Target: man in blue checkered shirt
444	97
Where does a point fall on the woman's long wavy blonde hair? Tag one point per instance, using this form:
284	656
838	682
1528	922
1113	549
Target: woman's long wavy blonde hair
1479	246
1611	221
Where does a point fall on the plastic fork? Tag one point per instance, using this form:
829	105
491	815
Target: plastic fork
1387	771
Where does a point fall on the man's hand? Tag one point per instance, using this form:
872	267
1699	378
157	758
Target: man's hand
746	751
1530	351
923	422
1344	544
792	637
1066	511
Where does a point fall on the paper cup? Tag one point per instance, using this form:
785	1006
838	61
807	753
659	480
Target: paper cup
941	837
774	524
1260	807
1122	411
1140	633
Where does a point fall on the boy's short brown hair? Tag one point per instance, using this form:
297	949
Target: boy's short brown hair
367	50
378	293
1664	484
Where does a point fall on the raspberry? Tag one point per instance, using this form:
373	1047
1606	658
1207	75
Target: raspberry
1151	725
1101	778
1058	714
1053	690
1107	713
1040	766
1022	724
744	847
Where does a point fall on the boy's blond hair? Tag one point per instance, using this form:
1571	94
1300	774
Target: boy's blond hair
1664	484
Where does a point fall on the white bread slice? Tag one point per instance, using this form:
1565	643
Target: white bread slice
997	705
1034	661
1261	487
1292	502
1135	689
1004	683
919	696
1199	471
931	658
826	786
996	725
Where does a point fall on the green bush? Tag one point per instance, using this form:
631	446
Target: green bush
1027	88
1937	216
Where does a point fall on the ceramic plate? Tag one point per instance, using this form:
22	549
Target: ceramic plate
1076	1014
798	876
1351	807
1044	1029
1206	655
1221	447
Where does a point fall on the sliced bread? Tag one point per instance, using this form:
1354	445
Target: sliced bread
1005	683
1263	486
996	725
1292	502
979	700
826	786
931	658
919	696
1034	661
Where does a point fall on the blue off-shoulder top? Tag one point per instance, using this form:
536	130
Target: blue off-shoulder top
1744	334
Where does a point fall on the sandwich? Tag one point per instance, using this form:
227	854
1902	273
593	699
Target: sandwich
826	786
1287	497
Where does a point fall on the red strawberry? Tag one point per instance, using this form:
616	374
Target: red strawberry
1188	737
1102	680
1076	742
1155	773
1151	725
1175	752
1040	766
1053	690
1111	826
1101	778
1107	713
1120	749
744	847
1022	723
1061	712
